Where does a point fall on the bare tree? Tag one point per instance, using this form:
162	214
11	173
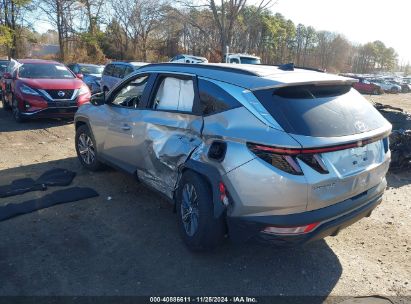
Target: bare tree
60	13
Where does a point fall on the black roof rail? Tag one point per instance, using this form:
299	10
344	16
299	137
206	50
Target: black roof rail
202	66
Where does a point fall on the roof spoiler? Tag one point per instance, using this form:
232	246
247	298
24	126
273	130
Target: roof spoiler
290	67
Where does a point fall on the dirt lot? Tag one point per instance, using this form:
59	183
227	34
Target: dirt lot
129	245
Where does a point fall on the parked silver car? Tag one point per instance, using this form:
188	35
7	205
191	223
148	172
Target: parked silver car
115	71
256	152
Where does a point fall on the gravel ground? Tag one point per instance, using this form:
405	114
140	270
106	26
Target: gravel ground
129	245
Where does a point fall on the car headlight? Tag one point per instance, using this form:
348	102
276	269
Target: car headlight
84	90
29	91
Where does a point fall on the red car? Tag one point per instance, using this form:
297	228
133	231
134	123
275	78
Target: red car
44	88
365	87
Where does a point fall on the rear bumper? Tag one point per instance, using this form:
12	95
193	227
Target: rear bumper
332	219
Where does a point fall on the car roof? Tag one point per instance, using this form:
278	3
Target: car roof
243	55
134	63
88	64
250	76
193	56
39	61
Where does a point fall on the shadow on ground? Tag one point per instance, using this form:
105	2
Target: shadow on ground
398	179
129	245
7	123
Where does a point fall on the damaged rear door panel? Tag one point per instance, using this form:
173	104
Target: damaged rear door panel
172	131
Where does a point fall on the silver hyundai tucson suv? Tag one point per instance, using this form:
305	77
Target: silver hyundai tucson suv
274	153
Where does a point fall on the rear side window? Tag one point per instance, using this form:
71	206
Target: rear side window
321	111
175	94
214	99
128	70
108	71
119	71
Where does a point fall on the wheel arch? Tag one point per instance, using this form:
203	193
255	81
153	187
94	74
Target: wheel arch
211	176
80	121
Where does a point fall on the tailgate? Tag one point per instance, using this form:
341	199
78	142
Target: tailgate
351	172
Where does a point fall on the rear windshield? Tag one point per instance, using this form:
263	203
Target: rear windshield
250	60
321	111
40	71
91	69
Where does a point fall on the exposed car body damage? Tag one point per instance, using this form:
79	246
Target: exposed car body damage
169	143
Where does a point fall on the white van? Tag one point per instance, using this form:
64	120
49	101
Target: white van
242	59
189	59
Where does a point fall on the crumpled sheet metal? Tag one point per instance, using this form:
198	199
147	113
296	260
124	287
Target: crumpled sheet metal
167	149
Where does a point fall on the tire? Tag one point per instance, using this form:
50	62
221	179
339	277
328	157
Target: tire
376	92
18	117
86	149
199	229
394	90
6	105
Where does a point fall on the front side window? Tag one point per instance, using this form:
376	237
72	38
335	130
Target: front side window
214	99
39	70
175	94
131	95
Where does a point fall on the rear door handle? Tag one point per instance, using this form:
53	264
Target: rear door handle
126	128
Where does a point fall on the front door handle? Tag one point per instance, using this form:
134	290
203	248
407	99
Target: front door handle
126	128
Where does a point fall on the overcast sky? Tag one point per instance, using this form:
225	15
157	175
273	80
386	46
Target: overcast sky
359	20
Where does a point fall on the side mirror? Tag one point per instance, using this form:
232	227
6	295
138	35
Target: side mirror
98	99
7	75
80	76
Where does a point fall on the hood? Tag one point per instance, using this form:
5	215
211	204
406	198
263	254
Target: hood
53	84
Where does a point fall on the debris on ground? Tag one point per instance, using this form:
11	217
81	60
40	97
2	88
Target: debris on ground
400	138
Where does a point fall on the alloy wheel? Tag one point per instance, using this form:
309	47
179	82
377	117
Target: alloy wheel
86	148
189	209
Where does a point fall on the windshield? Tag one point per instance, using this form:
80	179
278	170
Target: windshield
321	111
250	60
40	71
91	69
3	66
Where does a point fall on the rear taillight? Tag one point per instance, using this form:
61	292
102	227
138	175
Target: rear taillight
285	159
290	230
282	159
314	161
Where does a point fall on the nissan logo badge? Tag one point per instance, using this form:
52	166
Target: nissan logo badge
61	93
